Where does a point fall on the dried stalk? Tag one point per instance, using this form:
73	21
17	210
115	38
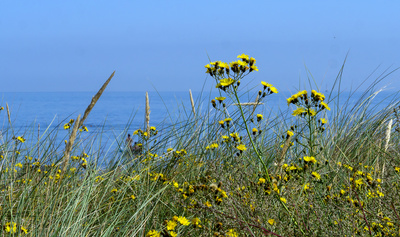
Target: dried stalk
8	114
388	131
192	102
70	143
249	103
95	99
147	114
79	122
255	106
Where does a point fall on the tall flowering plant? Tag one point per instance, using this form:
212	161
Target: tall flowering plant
228	78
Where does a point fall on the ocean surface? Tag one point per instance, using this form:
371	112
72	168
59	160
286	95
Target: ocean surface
118	113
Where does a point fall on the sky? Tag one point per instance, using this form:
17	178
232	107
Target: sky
164	45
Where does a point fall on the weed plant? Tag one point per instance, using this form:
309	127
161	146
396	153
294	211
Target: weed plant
323	168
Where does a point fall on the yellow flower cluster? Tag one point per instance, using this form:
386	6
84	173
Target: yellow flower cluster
317	96
212	146
11	227
295	98
259	117
270	87
302	111
69	124
218	68
309	159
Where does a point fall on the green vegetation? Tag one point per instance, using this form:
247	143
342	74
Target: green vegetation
323	169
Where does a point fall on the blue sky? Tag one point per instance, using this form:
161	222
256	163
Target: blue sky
164	45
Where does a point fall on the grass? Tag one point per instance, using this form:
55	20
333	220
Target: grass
298	176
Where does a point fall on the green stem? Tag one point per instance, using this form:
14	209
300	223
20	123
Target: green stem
260	158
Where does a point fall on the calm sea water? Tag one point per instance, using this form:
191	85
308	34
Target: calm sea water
118	113
113	116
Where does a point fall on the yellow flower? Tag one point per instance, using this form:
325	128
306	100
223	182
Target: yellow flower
24	230
173	234
273	89
316	175
359	182
196	222
226	81
235	136
265	84
176	185
269	86
324	121
19	165
290	133
220	99
231	233
234	65
114	190
241	147
253	68
214	145
242	63
259	117
84	128
224	65
244	57
317	96
228	120
271	221
306	186
283	199
298	111
309	159
171	225
207	204
252	61
183	220
11	227
325	105
261	181
21	139
153	233
133	197
312	112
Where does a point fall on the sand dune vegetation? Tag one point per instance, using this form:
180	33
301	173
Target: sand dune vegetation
322	168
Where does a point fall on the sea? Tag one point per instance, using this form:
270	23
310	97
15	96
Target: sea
116	114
